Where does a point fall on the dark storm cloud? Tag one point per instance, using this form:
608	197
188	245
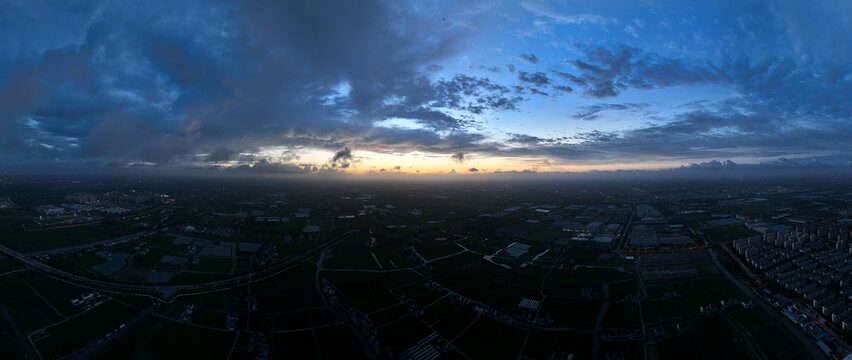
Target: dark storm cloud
529	58
459	156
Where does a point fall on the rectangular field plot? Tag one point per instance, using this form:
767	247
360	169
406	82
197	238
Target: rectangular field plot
75	333
717	340
355	252
438	311
774	341
300	319
369	291
455	324
544	344
572	313
392	313
293	289
571	282
298	345
32	313
180	341
434	251
339	342
483	281
491	339
699	291
213	265
402	334
667	309
621	315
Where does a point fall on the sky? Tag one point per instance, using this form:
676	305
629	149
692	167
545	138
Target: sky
423	87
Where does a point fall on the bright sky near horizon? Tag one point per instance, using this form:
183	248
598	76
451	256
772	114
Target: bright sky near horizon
292	87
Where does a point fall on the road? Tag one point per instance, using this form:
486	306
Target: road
809	344
118	240
166	292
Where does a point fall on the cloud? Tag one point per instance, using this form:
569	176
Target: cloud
631	30
536	78
538	92
563	88
606	72
493	69
524	139
126	85
222	154
597	136
591	112
573	79
529	58
265	167
541	9
288	155
136	82
342	158
516	172
473	170
458	156
711	165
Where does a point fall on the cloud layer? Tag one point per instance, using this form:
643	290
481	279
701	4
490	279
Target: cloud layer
265	87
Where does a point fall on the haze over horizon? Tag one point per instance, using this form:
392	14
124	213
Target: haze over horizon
303	87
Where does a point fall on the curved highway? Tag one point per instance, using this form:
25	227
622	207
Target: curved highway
166	292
